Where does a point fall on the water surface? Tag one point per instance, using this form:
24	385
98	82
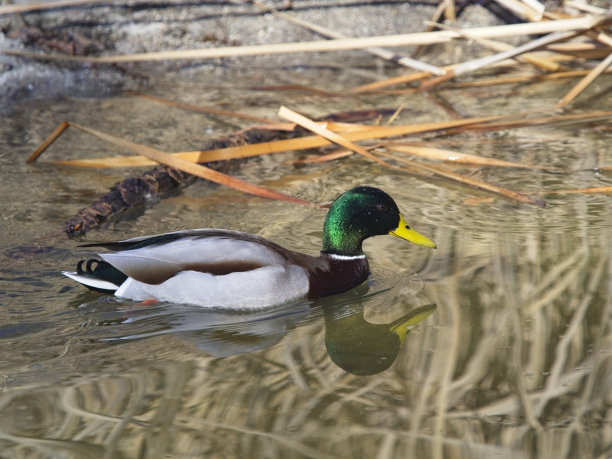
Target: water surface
514	362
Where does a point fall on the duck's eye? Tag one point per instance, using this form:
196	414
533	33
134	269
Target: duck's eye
381	207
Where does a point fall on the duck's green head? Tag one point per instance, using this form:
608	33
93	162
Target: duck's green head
361	213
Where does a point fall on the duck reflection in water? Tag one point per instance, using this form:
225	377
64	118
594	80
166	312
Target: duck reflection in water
364	348
354	344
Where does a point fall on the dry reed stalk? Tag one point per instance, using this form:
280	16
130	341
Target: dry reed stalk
200	108
351	133
396	113
30	7
476	64
591	9
336	154
377	87
186	166
538	121
576	48
286	113
530	10
309	124
48	141
565	25
601	37
549	64
465	180
452	156
586	81
450	12
524	78
434	19
537	61
593	190
376	51
402	79
578	51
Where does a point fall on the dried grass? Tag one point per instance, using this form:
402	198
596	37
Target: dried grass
558	30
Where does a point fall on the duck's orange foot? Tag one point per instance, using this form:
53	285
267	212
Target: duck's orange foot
148	302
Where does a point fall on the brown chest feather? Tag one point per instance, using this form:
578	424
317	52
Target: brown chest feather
338	276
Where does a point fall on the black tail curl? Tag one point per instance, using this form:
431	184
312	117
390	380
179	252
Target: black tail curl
102	270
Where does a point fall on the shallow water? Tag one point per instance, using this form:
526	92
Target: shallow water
514	362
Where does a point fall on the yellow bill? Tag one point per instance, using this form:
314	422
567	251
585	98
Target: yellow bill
405	232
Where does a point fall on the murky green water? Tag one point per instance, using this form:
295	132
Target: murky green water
515	361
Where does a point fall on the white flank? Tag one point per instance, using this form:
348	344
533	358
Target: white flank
258	288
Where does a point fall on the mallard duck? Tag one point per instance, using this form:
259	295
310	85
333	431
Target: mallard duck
232	269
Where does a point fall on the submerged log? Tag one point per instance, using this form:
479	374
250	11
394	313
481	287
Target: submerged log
163	181
130	192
